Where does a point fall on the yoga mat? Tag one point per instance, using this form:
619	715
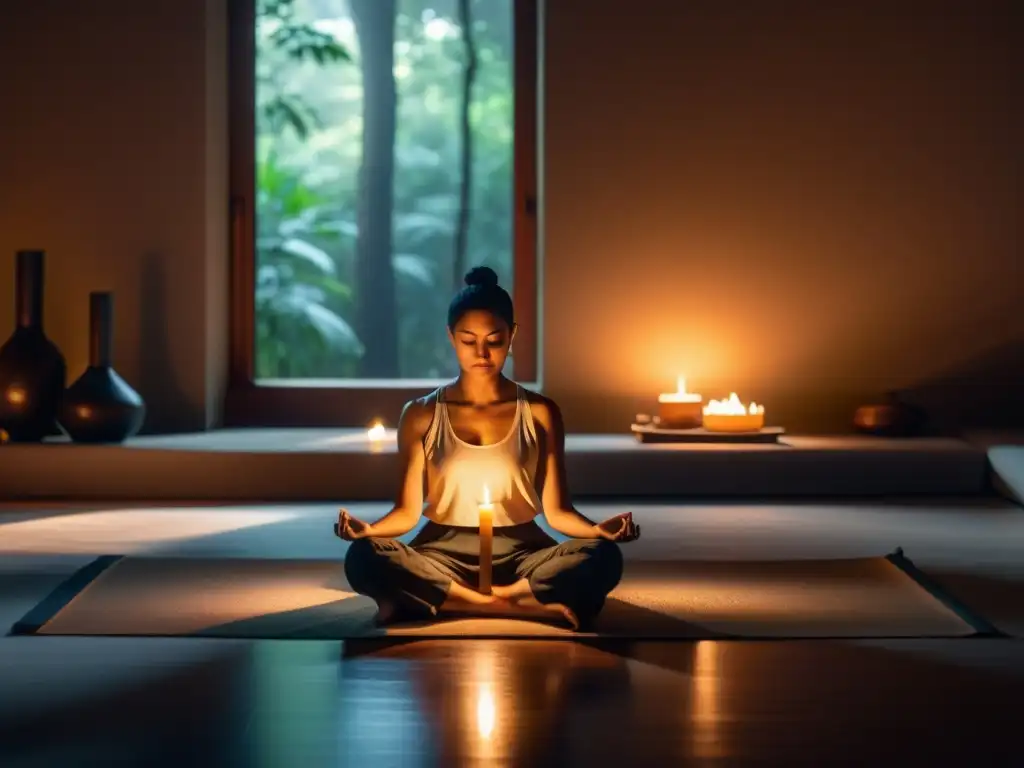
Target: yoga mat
309	599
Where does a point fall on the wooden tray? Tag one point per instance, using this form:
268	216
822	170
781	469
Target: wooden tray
652	433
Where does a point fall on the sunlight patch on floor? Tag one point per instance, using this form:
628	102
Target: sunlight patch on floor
127	531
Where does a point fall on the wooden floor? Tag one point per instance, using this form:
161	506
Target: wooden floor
445	703
72	702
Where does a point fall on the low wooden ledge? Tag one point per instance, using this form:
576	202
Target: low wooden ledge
269	465
290	440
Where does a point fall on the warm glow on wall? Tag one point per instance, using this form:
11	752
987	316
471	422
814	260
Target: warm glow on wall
644	346
705	359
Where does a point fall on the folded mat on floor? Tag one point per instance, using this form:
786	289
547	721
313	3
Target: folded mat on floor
309	599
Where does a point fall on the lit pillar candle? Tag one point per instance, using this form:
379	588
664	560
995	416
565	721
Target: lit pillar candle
486	541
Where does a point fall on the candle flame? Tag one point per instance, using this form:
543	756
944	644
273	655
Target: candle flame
486	500
376	431
681	395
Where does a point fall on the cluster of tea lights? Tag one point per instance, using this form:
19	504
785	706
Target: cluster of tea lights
686	410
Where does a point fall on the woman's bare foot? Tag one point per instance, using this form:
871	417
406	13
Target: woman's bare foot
520	608
531	607
521	599
512	591
514	601
464	600
463	595
476	607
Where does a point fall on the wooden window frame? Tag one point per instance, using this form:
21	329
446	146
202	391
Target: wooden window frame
355	402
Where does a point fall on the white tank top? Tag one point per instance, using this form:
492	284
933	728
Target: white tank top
457	471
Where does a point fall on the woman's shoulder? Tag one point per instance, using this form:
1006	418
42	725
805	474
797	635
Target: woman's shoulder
417	414
543	409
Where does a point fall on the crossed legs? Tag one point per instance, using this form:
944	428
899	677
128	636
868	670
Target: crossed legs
566	582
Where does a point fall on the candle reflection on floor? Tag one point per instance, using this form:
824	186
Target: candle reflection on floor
491	702
705	699
487	736
485	711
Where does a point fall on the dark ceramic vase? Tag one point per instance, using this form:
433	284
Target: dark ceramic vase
32	369
100	407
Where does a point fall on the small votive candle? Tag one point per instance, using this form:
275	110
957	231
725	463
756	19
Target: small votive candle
376	435
679	409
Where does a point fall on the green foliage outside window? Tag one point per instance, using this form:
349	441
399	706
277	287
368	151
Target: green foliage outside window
327	304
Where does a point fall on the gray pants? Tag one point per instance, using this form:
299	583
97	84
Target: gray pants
415	577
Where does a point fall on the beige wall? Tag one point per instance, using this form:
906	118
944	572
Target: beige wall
808	204
112	159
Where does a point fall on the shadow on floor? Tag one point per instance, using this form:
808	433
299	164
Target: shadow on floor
1000	600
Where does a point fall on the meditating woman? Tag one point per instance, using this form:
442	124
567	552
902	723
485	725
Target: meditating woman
484	431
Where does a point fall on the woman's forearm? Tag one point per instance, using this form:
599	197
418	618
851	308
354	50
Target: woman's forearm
572	524
398	522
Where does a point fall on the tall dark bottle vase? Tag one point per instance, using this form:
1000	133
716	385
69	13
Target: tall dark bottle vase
100	407
32	369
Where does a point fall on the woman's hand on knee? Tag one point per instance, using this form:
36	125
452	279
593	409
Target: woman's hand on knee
620	528
351	528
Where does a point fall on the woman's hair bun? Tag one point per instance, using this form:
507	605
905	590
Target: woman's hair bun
482	292
482	276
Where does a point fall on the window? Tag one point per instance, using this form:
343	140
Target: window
364	185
